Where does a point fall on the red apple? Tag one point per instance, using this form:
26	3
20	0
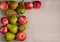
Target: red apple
29	5
22	19
3	5
4	29
4	20
0	4
0	29
21	36
37	4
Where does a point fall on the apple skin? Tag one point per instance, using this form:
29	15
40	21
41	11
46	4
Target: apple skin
37	4
21	36
22	19
3	5
3	29
4	20
29	5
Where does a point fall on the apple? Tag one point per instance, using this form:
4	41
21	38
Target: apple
21	36
4	20
22	19
3	5
0	29
37	4
4	29
29	5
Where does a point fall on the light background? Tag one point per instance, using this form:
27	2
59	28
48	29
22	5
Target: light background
43	23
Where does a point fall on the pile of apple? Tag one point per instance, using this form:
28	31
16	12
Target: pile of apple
28	5
13	25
